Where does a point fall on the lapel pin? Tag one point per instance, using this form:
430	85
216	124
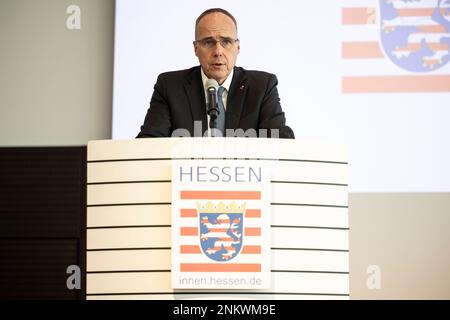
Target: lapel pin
242	87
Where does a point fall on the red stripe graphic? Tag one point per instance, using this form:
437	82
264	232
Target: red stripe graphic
361	50
430	29
188	213
252	231
194	249
418	46
231	195
369	15
253	213
192	213
359	16
419	12
190	249
251	250
396	84
213	267
372	50
193	231
189	231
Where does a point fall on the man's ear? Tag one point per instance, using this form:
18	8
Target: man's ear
195	48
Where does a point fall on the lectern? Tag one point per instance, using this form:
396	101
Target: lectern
129	217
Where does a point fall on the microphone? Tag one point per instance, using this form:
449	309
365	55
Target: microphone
213	109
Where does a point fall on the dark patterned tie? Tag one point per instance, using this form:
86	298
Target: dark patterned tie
221	117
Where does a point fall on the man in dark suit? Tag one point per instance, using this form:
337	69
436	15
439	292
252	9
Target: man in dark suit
249	99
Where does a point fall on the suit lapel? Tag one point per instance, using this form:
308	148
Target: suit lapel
236	98
196	96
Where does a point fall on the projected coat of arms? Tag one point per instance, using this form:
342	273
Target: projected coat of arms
220	224
415	34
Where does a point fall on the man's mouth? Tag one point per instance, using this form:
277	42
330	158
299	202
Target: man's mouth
218	64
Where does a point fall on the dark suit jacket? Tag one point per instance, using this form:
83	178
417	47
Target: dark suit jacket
179	99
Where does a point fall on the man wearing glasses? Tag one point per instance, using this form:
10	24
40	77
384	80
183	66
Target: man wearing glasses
247	101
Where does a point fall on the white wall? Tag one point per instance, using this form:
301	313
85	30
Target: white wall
55	83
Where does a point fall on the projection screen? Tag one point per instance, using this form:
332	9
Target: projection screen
370	74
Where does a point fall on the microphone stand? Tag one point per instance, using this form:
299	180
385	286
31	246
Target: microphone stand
213	110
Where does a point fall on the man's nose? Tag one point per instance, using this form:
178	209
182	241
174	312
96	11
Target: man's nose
217	50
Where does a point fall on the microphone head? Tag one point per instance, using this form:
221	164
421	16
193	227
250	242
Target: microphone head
211	84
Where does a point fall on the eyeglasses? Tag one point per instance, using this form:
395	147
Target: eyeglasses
210	43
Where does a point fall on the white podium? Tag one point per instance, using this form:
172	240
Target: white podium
129	213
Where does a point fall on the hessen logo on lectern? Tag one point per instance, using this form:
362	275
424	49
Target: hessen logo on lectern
220	224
